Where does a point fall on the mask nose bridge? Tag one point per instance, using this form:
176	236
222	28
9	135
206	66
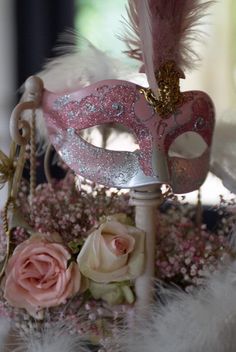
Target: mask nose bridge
160	164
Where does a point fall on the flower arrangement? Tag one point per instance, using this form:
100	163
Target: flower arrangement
78	250
72	260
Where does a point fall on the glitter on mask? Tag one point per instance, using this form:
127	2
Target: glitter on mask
90	107
71	115
70	131
61	101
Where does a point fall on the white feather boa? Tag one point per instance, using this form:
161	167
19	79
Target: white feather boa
202	321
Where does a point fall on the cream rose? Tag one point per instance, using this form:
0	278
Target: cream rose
113	252
38	276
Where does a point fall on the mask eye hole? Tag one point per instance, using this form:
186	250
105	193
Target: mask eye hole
188	145
110	136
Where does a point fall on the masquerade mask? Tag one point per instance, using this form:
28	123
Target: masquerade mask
125	103
158	34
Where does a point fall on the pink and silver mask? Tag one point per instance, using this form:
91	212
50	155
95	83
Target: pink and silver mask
122	102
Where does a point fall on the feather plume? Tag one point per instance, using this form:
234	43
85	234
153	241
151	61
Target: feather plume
160	30
201	321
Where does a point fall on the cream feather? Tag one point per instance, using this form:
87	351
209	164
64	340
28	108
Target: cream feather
76	67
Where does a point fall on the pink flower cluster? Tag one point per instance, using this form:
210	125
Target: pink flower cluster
185	252
64	209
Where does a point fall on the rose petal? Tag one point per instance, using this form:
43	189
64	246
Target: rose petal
119	245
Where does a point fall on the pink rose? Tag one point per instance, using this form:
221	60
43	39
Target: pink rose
37	275
113	252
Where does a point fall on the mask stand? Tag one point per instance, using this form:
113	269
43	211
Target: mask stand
146	200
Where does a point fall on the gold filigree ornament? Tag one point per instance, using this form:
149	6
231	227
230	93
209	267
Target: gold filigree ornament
7	231
168	96
11	169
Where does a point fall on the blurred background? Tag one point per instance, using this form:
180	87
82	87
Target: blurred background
29	31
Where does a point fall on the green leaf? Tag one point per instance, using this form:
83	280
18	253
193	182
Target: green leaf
75	246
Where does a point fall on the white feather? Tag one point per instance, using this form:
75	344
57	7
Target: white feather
51	339
201	321
4	329
139	38
145	29
75	69
78	68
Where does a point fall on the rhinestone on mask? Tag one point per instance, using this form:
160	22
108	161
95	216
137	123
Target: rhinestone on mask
118	108
90	107
199	124
70	131
71	114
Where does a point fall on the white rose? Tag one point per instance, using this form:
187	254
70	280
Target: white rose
113	252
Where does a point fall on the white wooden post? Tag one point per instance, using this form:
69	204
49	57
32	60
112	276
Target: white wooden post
146	201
